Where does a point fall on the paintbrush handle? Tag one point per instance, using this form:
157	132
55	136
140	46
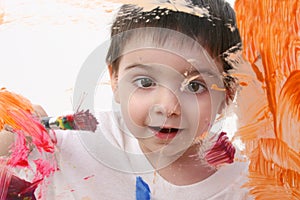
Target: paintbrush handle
49	122
63	122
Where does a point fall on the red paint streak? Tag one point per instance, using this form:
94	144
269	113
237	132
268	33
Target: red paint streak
222	152
20	151
88	177
44	168
5	179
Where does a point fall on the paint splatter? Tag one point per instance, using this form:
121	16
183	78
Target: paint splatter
88	177
269	104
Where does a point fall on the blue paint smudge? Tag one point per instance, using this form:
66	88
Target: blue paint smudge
142	191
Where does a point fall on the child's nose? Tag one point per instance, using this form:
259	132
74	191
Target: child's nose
167	103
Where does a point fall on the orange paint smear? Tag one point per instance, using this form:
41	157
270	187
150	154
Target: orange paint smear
269	105
289	111
217	88
11	101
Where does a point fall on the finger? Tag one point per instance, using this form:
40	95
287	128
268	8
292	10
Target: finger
39	111
6	140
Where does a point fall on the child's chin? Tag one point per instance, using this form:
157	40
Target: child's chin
171	152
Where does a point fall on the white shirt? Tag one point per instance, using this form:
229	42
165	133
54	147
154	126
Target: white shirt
105	164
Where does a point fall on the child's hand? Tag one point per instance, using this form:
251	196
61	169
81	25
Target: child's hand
7	138
39	111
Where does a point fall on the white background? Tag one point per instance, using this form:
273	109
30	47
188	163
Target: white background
43	44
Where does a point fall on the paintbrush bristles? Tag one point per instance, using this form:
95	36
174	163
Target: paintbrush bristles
84	120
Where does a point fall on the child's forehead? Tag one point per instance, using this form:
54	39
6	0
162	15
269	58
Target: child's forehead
154	58
174	43
165	39
160	37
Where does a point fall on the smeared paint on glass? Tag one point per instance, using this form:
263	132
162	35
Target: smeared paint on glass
269	107
31	140
221	153
215	150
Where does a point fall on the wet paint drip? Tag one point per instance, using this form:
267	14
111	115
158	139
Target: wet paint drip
270	99
16	114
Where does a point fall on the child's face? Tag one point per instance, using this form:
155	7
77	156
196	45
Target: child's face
165	99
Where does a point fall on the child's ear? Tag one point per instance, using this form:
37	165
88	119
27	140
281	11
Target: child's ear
114	83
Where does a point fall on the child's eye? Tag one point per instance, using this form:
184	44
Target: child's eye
145	82
195	87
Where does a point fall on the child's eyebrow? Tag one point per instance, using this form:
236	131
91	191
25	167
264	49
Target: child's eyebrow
187	73
137	65
203	72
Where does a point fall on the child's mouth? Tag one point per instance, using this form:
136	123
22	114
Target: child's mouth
164	133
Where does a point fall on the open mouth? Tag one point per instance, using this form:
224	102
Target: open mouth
164	133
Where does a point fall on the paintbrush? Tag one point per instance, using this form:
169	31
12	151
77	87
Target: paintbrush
82	120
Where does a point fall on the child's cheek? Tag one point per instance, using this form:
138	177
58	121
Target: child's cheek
135	112
199	109
138	109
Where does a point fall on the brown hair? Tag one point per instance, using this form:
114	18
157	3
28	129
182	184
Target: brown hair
215	31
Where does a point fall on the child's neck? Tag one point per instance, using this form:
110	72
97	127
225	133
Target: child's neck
186	170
